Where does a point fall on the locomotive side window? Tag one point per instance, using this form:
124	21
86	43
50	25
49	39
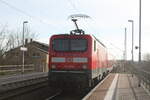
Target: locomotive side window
69	44
94	45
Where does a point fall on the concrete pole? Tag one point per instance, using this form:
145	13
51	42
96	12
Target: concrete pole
132	52
133	41
139	31
125	49
125	45
23	46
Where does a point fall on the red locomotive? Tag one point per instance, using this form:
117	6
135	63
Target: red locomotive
77	59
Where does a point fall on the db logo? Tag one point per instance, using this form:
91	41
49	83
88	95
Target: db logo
69	60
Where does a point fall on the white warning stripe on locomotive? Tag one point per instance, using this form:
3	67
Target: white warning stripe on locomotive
75	60
58	59
80	60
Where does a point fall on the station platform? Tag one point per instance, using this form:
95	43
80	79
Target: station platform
118	87
21	77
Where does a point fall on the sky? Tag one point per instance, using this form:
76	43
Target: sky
108	20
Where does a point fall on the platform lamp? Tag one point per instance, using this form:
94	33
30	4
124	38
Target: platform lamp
132	39
23	49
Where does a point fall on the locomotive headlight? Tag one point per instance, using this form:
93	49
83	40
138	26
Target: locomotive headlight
84	66
53	66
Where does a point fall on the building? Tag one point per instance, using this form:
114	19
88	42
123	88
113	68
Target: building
36	54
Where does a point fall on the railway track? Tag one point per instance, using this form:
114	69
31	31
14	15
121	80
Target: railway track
11	88
70	95
32	89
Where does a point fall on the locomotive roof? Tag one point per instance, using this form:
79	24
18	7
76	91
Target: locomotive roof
99	41
86	34
71	34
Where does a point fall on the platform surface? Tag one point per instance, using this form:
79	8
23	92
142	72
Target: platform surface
118	87
127	89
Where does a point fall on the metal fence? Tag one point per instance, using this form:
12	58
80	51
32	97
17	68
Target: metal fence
142	75
16	68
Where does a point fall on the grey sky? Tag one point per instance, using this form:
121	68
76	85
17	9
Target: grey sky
109	18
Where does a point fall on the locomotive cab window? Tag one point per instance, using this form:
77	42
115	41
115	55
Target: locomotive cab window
78	44
69	44
60	44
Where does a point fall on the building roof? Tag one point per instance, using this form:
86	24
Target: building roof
40	46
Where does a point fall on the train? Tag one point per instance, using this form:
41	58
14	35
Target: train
79	60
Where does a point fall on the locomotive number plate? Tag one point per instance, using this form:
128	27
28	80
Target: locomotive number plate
69	59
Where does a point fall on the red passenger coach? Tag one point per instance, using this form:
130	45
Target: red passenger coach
78	60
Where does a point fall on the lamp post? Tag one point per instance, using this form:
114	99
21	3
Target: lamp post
23	48
125	45
125	49
139	31
132	39
139	82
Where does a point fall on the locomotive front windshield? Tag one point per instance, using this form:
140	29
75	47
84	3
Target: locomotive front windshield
69	44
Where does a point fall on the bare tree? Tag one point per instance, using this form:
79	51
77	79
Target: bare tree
15	37
2	39
10	39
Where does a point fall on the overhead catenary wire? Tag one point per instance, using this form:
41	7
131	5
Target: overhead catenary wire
25	13
105	40
85	26
75	8
41	21
73	5
15	8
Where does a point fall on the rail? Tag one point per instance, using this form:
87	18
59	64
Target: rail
142	75
53	96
